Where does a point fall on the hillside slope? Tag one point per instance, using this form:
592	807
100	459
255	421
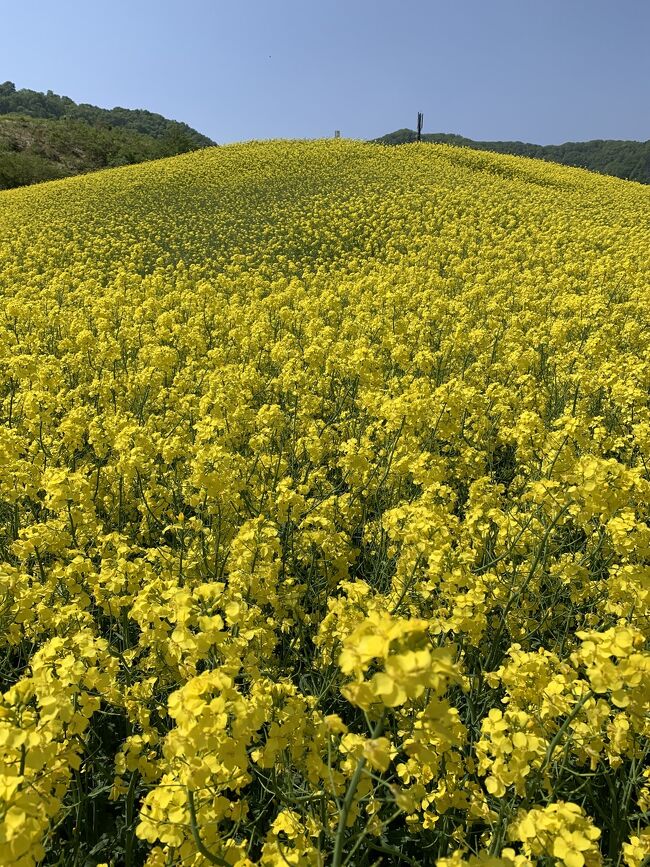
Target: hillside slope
34	103
45	136
34	150
623	159
323	511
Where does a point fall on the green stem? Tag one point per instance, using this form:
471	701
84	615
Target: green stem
541	552
210	856
337	857
129	831
365	833
556	739
388	850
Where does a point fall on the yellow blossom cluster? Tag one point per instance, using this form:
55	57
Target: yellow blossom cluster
324	534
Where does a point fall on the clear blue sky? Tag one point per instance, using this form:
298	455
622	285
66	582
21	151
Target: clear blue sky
545	71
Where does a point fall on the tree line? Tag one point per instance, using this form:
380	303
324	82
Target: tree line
44	136
623	159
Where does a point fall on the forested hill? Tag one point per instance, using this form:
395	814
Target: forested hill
44	136
623	159
52	106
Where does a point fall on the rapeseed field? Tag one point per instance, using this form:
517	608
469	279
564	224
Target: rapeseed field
324	535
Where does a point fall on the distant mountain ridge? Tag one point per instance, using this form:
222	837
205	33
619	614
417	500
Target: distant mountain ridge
623	159
44	136
34	103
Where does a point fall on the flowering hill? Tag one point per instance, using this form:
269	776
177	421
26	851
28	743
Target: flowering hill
323	512
623	159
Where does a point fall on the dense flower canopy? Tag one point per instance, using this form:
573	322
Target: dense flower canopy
324	537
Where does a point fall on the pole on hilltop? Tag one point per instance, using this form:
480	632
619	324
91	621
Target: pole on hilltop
420	122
